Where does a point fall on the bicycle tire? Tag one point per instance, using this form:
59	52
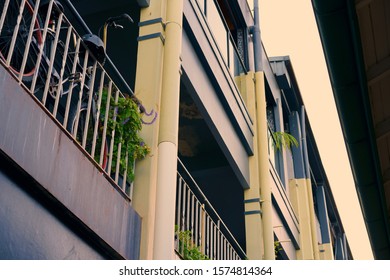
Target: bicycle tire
21	39
81	127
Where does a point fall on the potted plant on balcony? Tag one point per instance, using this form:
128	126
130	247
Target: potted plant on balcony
186	247
124	119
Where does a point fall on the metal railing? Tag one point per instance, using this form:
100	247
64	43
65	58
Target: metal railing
64	72
200	230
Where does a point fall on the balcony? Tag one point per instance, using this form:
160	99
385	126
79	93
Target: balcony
64	71
64	99
200	232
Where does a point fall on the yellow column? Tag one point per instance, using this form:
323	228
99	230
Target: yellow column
168	134
253	223
326	251
300	201
265	186
313	221
148	89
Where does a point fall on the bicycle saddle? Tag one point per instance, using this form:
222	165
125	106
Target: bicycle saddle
95	46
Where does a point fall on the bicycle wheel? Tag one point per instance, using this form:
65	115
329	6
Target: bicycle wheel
21	39
71	127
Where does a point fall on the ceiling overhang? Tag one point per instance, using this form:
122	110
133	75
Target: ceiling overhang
339	32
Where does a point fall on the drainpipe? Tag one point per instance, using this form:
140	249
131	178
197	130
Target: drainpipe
313	221
168	134
262	128
257	38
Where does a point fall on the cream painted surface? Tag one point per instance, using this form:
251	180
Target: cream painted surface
165	202
253	222
326	251
283	236
265	187
168	134
148	89
300	202
313	221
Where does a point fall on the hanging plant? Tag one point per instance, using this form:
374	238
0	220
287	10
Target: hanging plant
125	118
284	139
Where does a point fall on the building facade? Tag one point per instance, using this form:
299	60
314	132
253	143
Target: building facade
231	171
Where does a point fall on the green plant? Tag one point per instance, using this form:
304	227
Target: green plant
187	248
277	247
125	118
284	139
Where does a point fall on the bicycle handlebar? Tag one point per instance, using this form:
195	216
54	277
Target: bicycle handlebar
112	20
109	65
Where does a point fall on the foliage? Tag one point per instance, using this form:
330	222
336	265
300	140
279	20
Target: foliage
187	248
284	139
277	247
125	118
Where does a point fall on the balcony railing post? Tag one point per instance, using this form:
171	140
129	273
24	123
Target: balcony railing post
15	34
203	229
28	42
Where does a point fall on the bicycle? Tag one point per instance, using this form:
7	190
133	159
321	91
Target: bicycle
10	28
36	46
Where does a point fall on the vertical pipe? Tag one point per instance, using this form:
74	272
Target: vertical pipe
168	133
261	114
304	143
257	38
265	188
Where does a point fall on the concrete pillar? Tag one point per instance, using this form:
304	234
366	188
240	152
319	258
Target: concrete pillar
299	200
265	186
148	86
253	221
168	134
326	251
313	220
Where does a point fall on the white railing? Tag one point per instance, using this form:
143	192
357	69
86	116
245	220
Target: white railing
200	232
64	72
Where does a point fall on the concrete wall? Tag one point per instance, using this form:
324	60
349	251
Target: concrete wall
40	148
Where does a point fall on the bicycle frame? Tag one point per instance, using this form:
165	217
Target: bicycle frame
64	72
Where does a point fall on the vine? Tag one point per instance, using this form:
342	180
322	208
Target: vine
125	118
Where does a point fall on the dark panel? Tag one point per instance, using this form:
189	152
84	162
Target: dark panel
221	188
29	231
